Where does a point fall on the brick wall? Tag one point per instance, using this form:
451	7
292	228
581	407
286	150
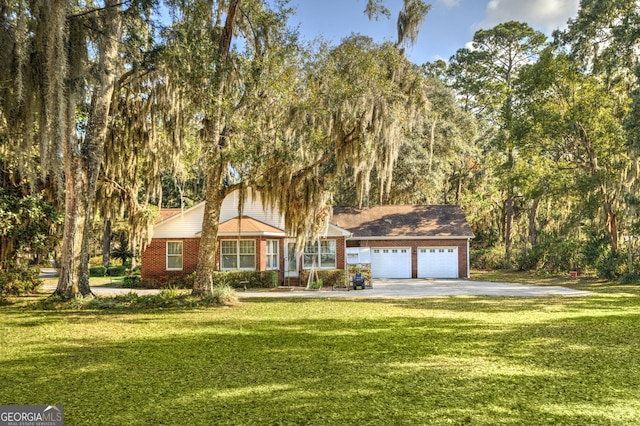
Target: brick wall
461	244
154	258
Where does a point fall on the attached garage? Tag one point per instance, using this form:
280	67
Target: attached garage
409	241
438	262
394	262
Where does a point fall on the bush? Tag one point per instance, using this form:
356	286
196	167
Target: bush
610	266
131	281
328	277
255	279
223	295
97	271
630	278
116	271
16	281
487	259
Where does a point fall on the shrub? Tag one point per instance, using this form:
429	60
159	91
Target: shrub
487	259
611	265
222	294
131	281
329	277
630	278
256	279
116	271
97	271
16	281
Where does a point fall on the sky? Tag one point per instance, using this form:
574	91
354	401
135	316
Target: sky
449	25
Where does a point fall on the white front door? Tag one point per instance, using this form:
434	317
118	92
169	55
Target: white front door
392	262
438	262
291	260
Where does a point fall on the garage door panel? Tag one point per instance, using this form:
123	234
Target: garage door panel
391	262
438	262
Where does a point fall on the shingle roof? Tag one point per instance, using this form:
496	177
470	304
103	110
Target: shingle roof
166	214
248	225
403	221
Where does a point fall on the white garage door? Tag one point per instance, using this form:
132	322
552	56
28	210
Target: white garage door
391	262
438	262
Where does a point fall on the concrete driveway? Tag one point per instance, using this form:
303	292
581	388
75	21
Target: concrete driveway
405	288
382	288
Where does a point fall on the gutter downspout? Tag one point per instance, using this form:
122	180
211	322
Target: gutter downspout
468	259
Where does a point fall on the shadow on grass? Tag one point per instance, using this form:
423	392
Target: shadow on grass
329	362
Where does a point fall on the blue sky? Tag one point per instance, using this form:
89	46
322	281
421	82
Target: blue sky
449	26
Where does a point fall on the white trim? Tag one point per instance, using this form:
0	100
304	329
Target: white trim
177	215
468	259
277	253
319	254
414	237
249	234
166	255
238	268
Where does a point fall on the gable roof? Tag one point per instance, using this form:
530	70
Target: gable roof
403	221
165	214
248	226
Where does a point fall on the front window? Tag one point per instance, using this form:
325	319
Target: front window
272	254
321	254
174	255
236	254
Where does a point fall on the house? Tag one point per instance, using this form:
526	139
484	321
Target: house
398	241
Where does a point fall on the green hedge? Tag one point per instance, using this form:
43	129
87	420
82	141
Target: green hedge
112	271
255	279
116	271
329	277
97	271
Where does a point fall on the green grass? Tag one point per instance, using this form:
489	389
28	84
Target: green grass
449	360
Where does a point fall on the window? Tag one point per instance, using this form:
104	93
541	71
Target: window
236	254
174	255
272	254
321	254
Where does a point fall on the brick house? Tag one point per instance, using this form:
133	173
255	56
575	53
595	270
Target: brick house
397	241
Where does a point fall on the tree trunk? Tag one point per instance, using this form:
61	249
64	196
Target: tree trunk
432	142
106	242
612	225
216	168
207	253
533	213
508	230
82	163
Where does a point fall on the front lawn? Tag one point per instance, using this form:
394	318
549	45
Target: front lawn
453	360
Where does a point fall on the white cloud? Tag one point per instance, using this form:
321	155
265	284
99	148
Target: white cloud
450	3
546	15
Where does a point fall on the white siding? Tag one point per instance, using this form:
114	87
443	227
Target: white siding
185	225
252	208
189	223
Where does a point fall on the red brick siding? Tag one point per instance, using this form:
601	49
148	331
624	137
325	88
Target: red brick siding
154	258
415	244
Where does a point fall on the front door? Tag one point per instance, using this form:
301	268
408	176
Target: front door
291	261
